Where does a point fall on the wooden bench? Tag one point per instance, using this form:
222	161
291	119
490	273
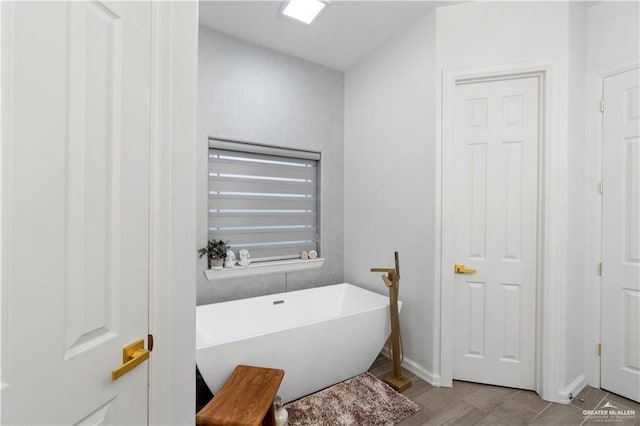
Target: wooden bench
246	399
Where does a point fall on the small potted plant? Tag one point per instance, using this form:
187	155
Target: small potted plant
216	251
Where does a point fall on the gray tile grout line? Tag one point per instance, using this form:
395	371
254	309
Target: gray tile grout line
597	405
541	411
518	393
432	389
529	390
574	406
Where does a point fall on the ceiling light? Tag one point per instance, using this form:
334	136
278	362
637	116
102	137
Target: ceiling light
303	10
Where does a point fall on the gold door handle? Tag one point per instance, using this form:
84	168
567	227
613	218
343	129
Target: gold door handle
132	356
460	269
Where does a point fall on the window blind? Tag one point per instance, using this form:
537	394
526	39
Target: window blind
261	202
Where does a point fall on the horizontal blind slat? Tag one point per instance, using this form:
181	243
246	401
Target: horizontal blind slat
262	204
242	185
261	150
261	158
254	230
222	166
237	220
264	238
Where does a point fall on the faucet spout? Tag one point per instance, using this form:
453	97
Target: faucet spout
393	274
388	270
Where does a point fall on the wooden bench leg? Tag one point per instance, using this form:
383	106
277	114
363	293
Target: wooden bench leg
270	418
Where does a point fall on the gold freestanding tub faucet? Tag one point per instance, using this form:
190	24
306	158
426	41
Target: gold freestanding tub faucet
392	281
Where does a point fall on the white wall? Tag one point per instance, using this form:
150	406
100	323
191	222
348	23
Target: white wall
250	93
577	37
613	33
476	34
389	178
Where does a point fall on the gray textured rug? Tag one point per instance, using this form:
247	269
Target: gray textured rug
362	401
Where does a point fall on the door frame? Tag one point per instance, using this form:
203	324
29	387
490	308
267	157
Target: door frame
593	210
4	135
552	224
172	227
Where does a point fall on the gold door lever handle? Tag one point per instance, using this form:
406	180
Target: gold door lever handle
460	269
132	356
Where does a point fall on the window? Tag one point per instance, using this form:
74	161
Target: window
263	199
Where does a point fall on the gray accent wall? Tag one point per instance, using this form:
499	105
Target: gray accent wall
250	93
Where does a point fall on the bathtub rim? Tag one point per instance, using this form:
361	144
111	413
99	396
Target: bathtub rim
297	325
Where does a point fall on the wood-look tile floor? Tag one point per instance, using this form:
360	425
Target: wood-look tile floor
476	404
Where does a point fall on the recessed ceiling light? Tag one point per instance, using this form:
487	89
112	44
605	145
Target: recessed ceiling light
303	10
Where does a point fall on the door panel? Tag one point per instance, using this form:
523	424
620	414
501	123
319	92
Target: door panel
76	198
620	362
494	230
91	222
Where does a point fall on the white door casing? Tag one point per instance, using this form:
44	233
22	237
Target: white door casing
620	327
494	230
75	196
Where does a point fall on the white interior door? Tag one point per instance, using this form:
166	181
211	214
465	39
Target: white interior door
620	358
75	210
493	230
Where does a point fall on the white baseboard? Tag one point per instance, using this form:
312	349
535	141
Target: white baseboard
417	369
573	389
420	371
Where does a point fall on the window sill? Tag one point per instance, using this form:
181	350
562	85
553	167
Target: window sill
263	268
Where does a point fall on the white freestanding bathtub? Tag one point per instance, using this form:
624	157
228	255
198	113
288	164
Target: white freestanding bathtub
318	336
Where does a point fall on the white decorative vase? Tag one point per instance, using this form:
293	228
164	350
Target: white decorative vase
216	263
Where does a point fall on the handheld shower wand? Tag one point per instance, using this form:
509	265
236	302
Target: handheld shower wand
392	281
